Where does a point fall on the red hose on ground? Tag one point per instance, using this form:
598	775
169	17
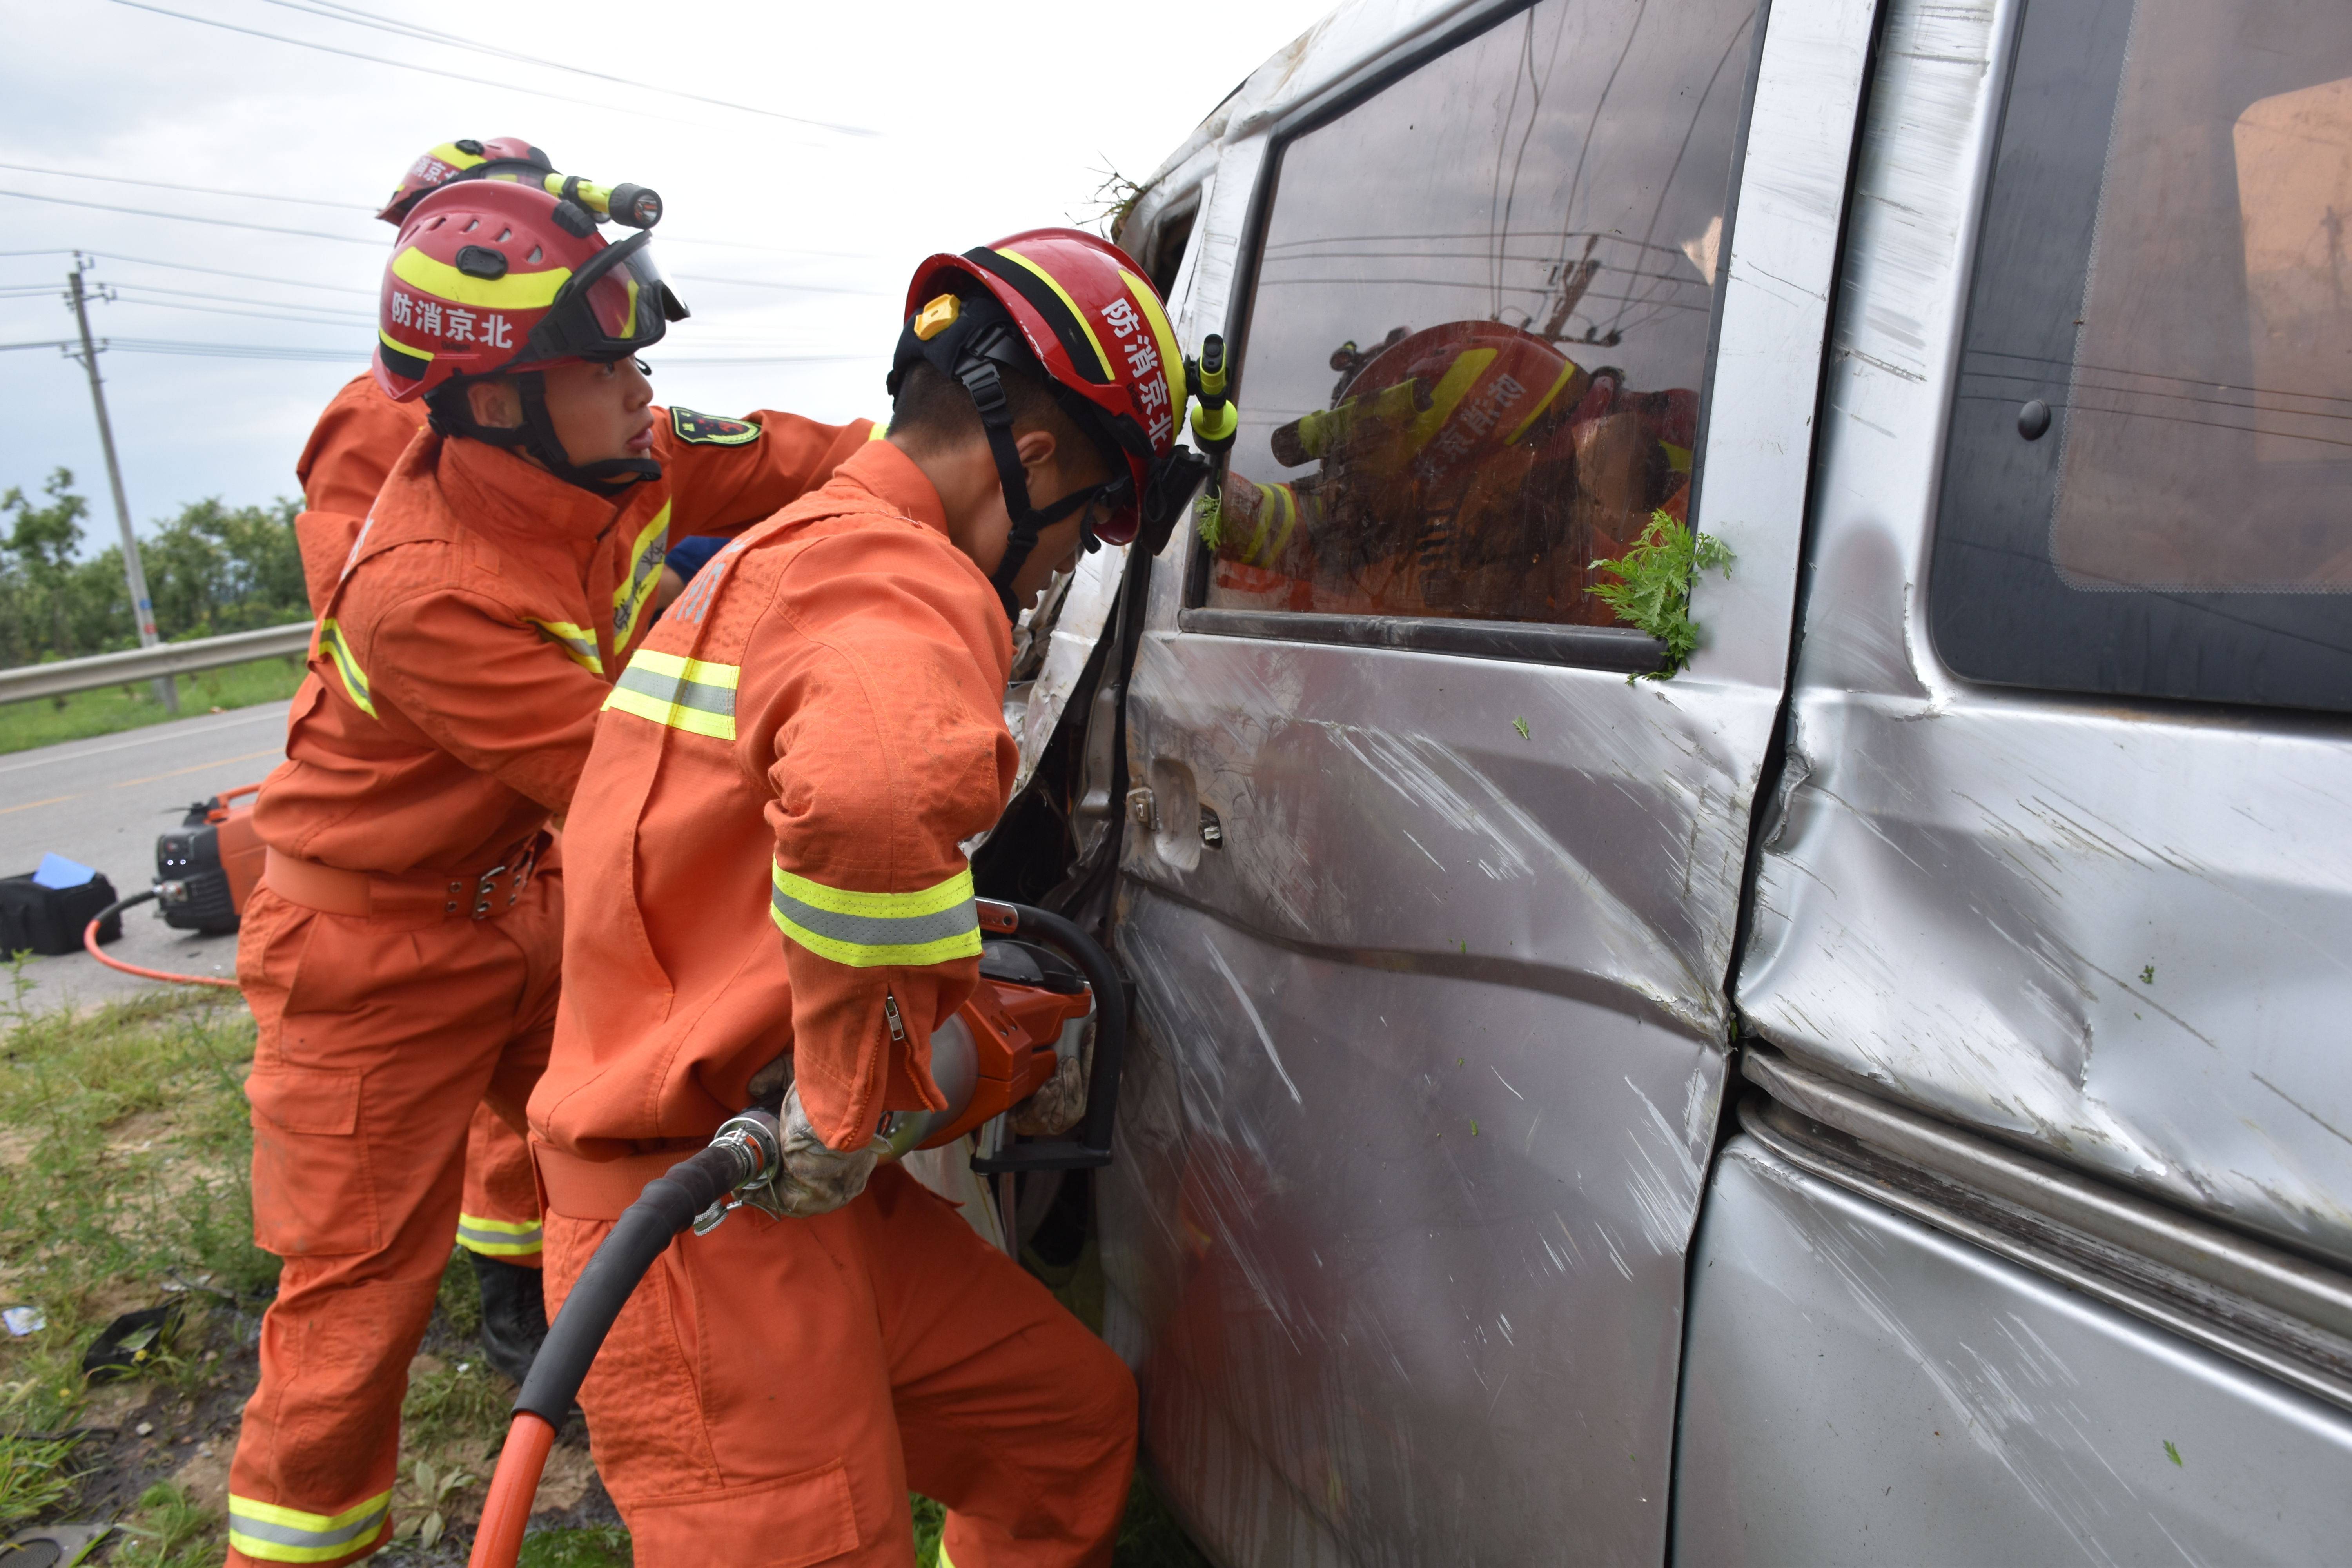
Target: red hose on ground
90	945
513	1488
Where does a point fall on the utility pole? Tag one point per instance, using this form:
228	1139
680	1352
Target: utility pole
134	571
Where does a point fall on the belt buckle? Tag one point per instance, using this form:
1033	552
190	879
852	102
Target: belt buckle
482	887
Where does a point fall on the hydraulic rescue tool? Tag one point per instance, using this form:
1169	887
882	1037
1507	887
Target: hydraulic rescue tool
1044	983
205	870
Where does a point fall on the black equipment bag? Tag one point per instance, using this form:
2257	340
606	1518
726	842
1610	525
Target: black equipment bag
49	920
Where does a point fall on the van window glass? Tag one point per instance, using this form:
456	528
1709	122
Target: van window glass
1479	324
2165	269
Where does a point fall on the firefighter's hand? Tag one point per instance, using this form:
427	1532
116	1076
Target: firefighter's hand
813	1179
1061	1102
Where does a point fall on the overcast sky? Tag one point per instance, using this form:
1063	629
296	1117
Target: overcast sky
867	136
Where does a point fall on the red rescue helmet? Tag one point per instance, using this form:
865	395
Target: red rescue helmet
501	157
496	278
1076	309
489	277
1438	402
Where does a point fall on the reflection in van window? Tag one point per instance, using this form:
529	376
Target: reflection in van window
1480	320
2210	438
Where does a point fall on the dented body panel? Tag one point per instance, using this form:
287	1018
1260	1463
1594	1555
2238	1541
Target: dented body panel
1445	959
2121	934
1433	1026
1864	1389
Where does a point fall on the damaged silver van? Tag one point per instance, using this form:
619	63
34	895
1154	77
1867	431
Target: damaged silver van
1882	1094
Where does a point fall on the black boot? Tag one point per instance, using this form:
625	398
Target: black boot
514	1314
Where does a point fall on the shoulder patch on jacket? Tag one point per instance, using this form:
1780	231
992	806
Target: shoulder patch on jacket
709	430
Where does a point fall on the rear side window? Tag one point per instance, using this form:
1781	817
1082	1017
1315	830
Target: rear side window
1479	324
2165	269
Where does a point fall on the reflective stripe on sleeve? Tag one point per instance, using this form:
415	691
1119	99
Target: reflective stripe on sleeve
867	930
689	694
630	599
578	642
347	665
496	1237
276	1534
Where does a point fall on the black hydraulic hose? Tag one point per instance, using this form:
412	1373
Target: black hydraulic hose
668	1205
671	1202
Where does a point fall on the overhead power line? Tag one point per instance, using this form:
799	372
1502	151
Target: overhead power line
662	359
234	351
352	15
320	310
191	217
225	272
372	59
189	266
260	312
764	283
199	189
605	104
674	240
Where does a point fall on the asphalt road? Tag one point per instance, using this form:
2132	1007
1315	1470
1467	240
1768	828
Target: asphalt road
102	802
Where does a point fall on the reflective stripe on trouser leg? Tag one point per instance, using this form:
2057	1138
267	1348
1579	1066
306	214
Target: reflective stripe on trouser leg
496	1237
360	1123
273	1533
498	1214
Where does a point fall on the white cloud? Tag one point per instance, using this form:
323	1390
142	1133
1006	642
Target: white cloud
987	119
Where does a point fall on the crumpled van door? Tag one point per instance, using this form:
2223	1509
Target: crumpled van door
1430	895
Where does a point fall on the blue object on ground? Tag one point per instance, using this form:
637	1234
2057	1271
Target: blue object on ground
56	871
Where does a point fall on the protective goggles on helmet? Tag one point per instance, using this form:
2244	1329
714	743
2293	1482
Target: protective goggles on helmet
614	306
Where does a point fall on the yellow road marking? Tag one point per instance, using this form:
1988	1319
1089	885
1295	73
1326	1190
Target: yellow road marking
200	767
29	804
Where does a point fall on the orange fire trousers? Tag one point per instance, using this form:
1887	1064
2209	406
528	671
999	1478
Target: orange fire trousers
498	1214
774	1389
379	1038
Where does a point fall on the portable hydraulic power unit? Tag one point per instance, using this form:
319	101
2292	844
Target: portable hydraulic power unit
206	868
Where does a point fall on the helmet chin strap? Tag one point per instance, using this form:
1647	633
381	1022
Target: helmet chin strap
987	389
607	477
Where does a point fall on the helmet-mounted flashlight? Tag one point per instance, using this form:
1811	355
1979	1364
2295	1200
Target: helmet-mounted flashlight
630	205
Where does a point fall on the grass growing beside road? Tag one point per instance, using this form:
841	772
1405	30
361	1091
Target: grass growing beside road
122	1147
47	720
124	1160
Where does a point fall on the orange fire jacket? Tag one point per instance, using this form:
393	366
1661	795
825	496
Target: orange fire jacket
763	855
350	452
474	631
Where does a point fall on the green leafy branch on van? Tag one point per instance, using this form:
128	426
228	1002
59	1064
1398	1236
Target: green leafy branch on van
1652	590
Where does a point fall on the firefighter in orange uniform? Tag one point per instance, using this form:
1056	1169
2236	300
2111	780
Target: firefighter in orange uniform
359	436
400	954
768	886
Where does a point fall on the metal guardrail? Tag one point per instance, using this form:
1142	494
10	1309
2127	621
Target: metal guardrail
136	664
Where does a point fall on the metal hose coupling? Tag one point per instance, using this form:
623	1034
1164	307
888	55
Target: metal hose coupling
753	1141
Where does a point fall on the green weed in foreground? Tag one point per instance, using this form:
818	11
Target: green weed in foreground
47	720
607	1548
125	1154
171	1529
123	1149
1149	1536
32	1477
1652	590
